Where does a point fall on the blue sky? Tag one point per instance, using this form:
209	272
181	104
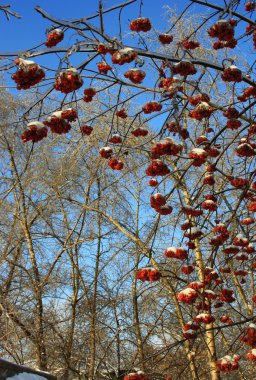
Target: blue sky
30	30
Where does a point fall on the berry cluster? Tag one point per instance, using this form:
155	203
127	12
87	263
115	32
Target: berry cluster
148	274
202	111
36	132
103	67
199	156
89	93
184	68
165	39
121	113
104	48
176	253
187	296
68	81
141	24
196	99
249	335
157	167
57	123
54	37
86	130
223	30
246	149
166	147
28	74
135	75
158	203
106	152
204	318
190	45
228	363
250	6
115	164
151	107
116	139
251	355
139	375
140	132
232	74
122	56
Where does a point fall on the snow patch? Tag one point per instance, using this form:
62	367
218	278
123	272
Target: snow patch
26	376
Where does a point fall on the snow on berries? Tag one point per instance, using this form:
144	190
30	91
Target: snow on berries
69	114
152	107
208	179
141	24
210	205
176	253
68	80
138	375
246	149
153	182
228	363
36	132
140	132
54	37
122	56
106	152
115	139
196	99
189	210
247	221
202	111
251	355
240	240
226	295
170	86
199	156
249	335
232	74
135	75
193	233
189	330
115	164
187	296
104	48
184	68
165	39
165	147
28	74
158	203
204	318
226	319
223	30
57	123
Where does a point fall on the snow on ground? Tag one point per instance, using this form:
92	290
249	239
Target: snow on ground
26	376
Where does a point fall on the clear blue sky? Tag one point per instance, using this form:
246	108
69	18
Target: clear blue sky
30	30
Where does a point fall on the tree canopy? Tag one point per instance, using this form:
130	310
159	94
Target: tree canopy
128	193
